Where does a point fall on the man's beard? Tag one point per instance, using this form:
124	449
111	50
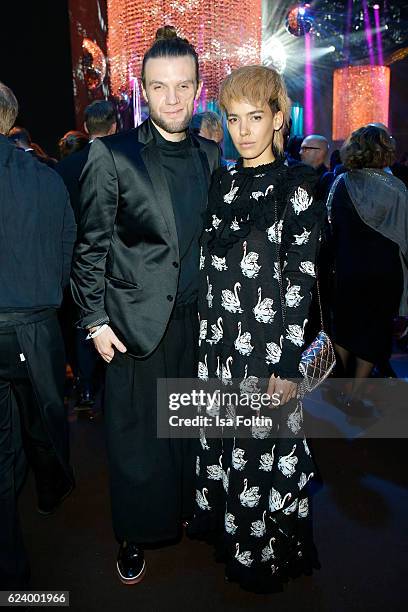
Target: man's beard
173	127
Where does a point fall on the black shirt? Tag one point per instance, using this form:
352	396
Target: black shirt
181	177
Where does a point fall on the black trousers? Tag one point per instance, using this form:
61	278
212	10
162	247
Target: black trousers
151	479
22	435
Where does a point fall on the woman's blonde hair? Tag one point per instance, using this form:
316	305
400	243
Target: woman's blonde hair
258	85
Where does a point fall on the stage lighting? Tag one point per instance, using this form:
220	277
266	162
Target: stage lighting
376	7
274	54
332	49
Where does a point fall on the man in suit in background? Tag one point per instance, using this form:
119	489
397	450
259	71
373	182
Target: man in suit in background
37	230
135	281
100	121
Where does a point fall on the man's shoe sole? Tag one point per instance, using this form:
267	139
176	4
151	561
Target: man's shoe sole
134	580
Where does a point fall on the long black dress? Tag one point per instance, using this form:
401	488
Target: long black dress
368	282
252	491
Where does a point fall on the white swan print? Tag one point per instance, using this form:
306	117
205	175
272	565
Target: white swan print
307	450
255	195
275	500
214	472
291	509
249	497
273	352
303	480
202	259
203	331
215	221
219	263
295	333
228	198
301	200
249	384
229	522
266	460
218	370
258	528
295	418
267	552
292	296
203	369
263	310
225	479
248	264
238	461
197	465
230	300
213	408
235	225
275	232
209	295
226	376
303	510
201	499
244	557
260	432
302	238
287	463
217	332
243	342
203	440
307	267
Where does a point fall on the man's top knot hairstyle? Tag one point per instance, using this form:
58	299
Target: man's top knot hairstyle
168	44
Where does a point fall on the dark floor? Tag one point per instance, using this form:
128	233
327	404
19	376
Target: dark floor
361	532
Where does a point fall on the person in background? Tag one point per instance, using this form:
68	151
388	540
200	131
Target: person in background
22	139
99	121
293	150
38	233
396	168
208	125
72	142
313	152
369	220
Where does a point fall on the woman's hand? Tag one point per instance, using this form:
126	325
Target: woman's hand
284	389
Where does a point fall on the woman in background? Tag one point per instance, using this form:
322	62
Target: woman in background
369	219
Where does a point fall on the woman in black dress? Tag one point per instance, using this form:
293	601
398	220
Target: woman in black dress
369	225
252	492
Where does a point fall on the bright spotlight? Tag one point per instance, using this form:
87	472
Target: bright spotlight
332	49
376	7
274	54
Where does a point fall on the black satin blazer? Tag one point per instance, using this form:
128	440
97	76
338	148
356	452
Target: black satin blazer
126	261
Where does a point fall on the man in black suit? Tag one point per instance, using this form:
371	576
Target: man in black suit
37	231
135	280
100	121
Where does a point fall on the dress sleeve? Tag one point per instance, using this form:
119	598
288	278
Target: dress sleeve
300	244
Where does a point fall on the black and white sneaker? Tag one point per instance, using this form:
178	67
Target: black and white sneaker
130	565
